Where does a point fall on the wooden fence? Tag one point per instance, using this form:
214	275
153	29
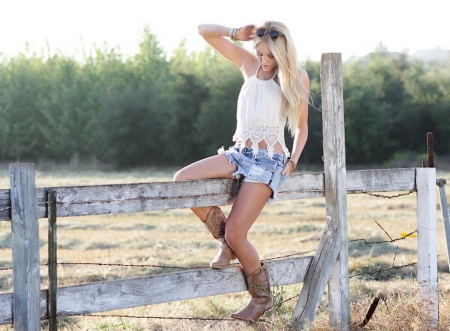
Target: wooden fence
23	204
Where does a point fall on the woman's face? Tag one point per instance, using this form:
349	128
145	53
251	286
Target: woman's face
265	57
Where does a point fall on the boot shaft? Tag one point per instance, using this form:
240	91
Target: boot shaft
259	282
215	222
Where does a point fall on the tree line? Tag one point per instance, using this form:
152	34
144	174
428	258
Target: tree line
151	110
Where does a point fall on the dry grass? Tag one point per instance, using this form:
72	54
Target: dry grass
175	237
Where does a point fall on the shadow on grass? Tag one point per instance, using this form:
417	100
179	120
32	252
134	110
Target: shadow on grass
68	243
6	241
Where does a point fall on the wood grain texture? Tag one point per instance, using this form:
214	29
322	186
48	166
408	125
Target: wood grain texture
25	248
128	293
334	238
6	304
130	198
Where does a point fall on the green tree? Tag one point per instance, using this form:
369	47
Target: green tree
135	107
368	104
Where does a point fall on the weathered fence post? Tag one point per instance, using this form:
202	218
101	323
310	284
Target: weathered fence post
334	239
426	244
445	215
52	262
25	248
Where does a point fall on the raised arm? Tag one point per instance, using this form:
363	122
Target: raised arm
214	35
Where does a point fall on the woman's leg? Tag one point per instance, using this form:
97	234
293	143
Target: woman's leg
248	205
217	166
213	167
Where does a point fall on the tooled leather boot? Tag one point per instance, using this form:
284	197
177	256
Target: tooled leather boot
261	300
215	223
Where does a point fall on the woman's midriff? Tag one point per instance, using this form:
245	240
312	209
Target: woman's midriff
263	145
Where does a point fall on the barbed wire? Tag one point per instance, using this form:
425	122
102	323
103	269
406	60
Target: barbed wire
150	317
383	241
205	267
378	195
124	265
384	270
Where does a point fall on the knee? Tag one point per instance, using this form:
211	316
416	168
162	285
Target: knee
179	175
233	236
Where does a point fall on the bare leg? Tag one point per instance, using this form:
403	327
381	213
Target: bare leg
217	166
248	205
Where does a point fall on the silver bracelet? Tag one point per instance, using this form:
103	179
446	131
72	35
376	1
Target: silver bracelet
233	33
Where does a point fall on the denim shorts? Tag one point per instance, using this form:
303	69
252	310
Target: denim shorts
259	169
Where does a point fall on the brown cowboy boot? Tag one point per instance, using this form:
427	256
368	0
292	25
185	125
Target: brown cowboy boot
261	300
215	223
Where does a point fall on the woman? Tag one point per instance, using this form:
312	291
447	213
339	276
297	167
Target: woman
274	95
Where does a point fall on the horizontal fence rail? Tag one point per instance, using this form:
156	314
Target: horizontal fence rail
131	198
155	289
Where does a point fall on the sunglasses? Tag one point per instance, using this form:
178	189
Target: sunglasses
274	34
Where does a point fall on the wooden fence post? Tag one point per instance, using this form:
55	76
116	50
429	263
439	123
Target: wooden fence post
25	248
334	238
52	263
445	215
426	244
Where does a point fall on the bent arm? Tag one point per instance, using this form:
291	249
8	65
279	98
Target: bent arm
301	133
214	35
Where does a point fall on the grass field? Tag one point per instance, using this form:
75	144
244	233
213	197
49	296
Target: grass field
178	238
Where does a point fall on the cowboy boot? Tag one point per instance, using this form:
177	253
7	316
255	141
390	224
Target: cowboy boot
215	223
261	300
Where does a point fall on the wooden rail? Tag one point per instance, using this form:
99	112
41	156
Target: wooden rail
155	289
132	198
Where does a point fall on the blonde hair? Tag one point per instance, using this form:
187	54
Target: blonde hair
284	52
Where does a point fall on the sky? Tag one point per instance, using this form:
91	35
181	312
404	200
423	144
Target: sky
349	27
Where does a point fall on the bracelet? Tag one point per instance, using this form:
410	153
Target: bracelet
233	33
292	165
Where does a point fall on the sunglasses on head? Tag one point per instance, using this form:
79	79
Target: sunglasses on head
274	34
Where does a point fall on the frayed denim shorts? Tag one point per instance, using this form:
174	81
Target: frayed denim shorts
257	169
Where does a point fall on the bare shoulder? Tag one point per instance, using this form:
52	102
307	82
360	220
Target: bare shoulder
249	66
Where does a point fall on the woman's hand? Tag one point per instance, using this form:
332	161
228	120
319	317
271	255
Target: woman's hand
289	168
246	33
286	170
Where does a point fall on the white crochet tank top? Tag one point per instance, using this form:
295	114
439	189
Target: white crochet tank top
259	115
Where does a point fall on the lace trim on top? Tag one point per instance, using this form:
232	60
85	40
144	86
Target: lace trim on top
258	116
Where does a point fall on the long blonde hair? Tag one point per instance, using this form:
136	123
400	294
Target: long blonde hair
285	54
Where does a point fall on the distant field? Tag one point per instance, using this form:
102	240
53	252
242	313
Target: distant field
178	238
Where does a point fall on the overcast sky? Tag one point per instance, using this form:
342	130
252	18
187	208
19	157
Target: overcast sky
350	27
